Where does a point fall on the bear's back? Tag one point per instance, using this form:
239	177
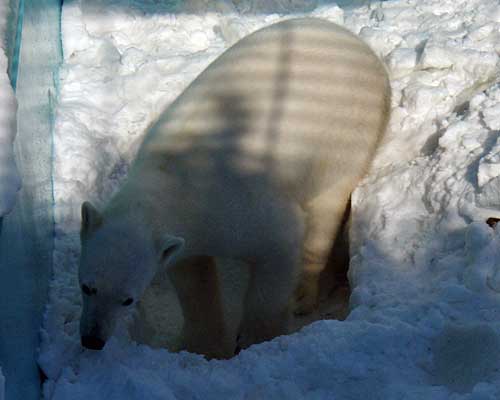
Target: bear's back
301	103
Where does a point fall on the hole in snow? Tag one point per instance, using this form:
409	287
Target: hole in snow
158	319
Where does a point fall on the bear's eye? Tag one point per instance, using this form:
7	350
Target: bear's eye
88	291
128	302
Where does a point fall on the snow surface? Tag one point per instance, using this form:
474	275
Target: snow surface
10	181
425	267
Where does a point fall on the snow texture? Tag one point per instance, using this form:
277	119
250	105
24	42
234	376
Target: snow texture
425	267
10	181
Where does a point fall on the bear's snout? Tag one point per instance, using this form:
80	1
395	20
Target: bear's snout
92	343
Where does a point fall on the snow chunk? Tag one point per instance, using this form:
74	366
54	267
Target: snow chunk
489	166
482	32
71	21
381	41
491	117
402	61
483	249
420	99
436	57
460	132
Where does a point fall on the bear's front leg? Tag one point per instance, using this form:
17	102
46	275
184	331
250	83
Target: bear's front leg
197	287
267	304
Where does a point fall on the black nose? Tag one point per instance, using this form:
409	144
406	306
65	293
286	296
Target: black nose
93	343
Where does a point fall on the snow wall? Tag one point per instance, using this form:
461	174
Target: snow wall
26	239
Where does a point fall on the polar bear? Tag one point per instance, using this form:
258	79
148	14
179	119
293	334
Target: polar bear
255	161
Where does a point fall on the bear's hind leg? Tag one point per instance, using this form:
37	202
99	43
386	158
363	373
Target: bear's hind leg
197	286
324	220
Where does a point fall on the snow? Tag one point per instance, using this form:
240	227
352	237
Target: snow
10	181
425	267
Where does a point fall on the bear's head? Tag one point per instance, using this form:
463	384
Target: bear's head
117	264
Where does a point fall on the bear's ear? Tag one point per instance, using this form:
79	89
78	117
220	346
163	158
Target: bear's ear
171	247
91	219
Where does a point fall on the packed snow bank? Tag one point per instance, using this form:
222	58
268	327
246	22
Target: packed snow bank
10	181
425	268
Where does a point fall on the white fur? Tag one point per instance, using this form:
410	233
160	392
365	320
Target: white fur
255	161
